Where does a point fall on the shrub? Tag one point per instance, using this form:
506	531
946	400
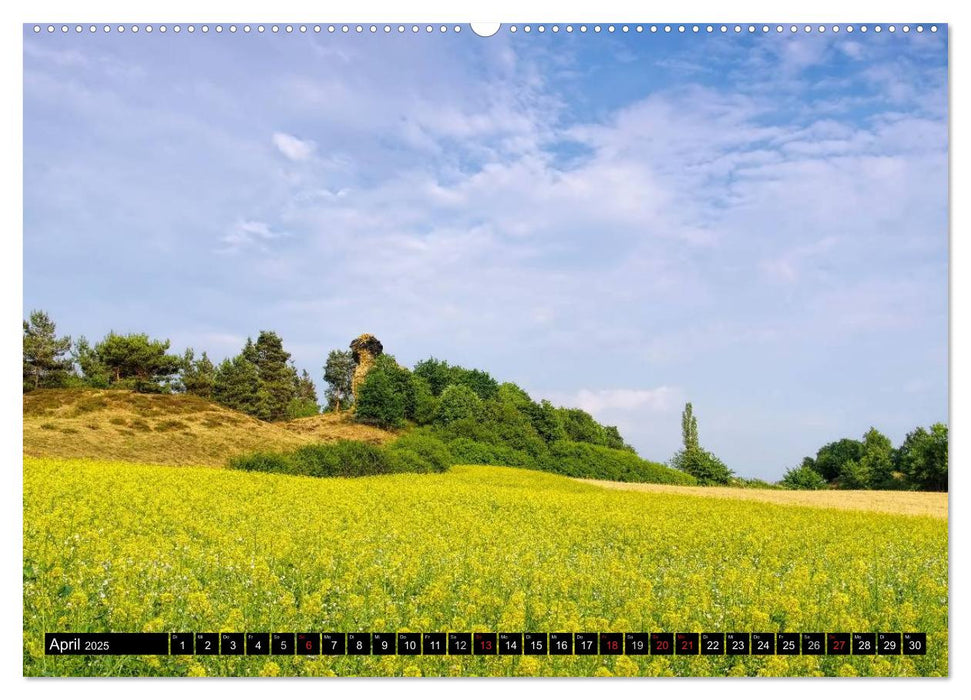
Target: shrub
272	462
705	467
419	451
468	451
426	403
458	402
302	408
378	402
583	460
803	478
342	458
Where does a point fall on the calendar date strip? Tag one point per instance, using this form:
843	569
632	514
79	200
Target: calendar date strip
485	643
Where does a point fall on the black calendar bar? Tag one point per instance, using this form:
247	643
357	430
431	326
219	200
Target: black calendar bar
106	643
485	643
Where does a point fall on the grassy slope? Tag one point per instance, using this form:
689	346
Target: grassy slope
164	429
479	548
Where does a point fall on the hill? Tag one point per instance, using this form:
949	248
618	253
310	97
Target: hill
177	429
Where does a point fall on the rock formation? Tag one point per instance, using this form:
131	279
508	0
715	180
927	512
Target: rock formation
365	349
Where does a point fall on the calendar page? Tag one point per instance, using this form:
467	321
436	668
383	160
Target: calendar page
514	349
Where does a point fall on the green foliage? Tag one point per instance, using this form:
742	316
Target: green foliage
546	421
261	381
131	361
305	402
465	450
689	427
579	459
875	468
47	363
872	463
386	397
580	426
277	377
439	375
378	403
705	467
508	425
426	403
614	440
804	478
339	374
456	403
93	372
478	381
271	462
342	458
417	452
237	385
198	376
692	459
923	458
831	457
435	372
854	475
302	408
512	393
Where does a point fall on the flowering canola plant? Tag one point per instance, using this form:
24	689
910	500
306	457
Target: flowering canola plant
122	547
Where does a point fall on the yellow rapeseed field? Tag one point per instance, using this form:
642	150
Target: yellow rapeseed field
124	547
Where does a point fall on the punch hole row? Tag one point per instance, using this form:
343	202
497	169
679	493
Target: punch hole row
443	29
258	28
724	28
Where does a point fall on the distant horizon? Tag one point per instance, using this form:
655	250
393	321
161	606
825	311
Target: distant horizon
614	222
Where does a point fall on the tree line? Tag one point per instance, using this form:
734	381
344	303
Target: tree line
261	380
482	420
918	463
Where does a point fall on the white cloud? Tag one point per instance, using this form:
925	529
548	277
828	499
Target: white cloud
292	147
250	233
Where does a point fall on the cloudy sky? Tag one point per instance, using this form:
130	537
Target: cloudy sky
621	222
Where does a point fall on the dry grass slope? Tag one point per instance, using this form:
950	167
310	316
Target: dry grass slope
898	502
165	429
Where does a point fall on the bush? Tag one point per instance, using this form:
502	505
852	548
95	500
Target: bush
705	467
342	458
271	462
419	451
386	397
803	478
378	403
302	408
458	402
416	452
583	460
426	403
467	451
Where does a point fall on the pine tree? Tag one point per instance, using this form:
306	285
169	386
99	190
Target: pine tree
198	376
277	377
46	360
237	385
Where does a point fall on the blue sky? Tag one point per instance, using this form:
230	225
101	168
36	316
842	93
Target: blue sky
622	222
